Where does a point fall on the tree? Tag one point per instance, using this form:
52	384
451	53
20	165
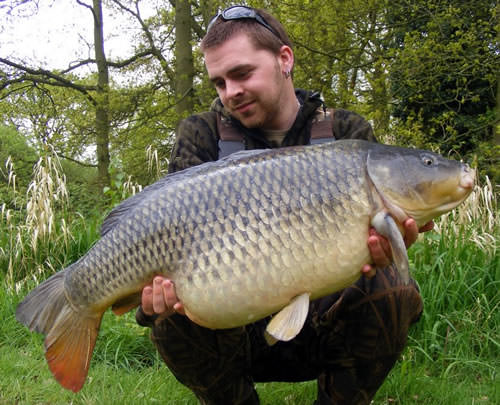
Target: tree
97	94
18	76
444	72
168	93
184	57
434	62
102	95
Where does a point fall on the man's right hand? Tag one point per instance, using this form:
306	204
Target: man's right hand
159	298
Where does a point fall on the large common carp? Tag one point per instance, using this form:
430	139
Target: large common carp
253	234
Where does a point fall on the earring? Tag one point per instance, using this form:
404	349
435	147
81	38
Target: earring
287	74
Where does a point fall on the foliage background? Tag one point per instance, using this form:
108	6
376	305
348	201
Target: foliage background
425	73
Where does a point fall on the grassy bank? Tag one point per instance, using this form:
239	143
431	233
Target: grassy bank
453	355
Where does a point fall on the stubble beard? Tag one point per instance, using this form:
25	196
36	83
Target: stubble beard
267	109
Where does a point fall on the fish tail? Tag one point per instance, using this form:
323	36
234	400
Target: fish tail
70	335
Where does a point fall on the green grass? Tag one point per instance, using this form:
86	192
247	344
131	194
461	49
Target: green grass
453	354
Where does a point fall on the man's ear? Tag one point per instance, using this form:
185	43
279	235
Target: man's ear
286	58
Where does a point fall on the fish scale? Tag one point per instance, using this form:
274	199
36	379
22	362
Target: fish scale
254	234
288	234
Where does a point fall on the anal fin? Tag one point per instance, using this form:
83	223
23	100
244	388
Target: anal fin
287	323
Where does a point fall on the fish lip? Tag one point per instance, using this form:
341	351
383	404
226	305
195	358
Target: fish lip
467	178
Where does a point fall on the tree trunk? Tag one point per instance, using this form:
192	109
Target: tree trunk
496	128
184	68
380	99
102	108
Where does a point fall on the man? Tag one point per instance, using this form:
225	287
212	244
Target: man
351	339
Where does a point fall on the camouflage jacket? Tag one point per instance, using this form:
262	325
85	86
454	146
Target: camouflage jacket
198	139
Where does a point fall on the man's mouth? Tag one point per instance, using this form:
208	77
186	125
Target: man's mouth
243	107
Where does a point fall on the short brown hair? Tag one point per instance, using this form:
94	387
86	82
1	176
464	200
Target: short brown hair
221	30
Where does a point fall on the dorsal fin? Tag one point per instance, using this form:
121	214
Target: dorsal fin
116	214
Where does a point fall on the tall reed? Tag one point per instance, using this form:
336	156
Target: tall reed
476	218
458	270
39	232
39	226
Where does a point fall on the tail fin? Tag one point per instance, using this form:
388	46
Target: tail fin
70	335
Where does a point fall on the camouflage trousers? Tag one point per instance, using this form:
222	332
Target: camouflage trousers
349	343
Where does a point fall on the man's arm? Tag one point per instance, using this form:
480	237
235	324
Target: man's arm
196	142
350	125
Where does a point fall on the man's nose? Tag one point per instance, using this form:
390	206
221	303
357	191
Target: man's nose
233	88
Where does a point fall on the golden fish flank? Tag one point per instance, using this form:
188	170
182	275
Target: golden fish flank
264	231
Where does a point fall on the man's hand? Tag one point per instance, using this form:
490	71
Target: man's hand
380	249
159	298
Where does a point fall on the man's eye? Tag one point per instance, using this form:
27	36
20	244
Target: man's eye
243	74
219	84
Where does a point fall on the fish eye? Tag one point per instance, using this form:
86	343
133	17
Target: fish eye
428	160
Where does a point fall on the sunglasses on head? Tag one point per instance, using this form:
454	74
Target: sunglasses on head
241	13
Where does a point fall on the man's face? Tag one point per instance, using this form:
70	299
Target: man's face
249	81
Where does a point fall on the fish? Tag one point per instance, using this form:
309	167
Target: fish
257	233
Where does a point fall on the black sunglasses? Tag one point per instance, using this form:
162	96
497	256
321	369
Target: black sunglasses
239	13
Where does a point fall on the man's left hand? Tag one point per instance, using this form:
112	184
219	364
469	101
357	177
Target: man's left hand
380	249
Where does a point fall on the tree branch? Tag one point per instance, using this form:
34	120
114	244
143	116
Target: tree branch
81	3
58	80
78	64
45	77
76	161
132	59
152	46
15	4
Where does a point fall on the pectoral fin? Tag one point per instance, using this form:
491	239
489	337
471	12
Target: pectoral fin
385	225
287	323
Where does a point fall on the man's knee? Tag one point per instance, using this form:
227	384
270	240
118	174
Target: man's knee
373	317
213	364
364	332
394	307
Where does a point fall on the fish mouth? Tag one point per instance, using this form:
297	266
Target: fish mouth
463	188
466	184
423	210
467	178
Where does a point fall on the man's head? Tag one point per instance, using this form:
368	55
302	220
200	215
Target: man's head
249	59
265	31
